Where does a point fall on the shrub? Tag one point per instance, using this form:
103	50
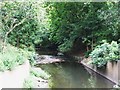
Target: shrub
104	53
114	53
87	53
22	23
32	58
12	57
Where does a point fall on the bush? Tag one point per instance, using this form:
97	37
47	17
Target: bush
114	53
13	57
25	21
104	53
32	58
87	53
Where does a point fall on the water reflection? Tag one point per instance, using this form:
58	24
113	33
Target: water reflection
74	75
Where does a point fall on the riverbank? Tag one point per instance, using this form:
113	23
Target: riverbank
110	72
37	79
29	77
8	78
74	75
15	67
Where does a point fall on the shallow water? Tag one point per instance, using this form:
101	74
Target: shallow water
74	75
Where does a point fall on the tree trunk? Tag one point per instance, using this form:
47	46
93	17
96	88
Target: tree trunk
87	48
4	43
18	45
92	44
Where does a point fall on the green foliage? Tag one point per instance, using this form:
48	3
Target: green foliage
13	57
114	53
32	58
87	53
92	82
60	23
91	22
40	73
2	66
109	14
28	84
28	33
66	46
104	53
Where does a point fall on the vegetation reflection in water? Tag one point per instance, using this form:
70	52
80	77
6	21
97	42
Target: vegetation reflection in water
74	75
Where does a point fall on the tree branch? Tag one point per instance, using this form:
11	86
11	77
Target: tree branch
13	27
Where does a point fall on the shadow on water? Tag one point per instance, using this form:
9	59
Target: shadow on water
70	74
74	75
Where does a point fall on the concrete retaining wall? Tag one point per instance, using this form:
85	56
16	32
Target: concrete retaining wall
16	77
110	71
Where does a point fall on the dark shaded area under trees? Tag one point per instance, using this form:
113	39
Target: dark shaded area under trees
63	26
82	26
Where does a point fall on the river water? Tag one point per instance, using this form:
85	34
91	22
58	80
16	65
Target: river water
74	75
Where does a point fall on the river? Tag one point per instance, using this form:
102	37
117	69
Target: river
74	75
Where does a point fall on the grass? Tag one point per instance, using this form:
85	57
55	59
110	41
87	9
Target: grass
12	57
28	84
40	73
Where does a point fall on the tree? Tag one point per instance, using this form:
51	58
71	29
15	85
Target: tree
70	21
21	23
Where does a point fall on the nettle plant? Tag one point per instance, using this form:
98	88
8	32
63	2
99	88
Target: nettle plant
104	53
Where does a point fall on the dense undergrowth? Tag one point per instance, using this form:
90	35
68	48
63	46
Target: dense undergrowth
47	24
60	25
12	57
104	53
40	73
29	83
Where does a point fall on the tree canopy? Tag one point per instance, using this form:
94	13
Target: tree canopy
60	23
91	22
